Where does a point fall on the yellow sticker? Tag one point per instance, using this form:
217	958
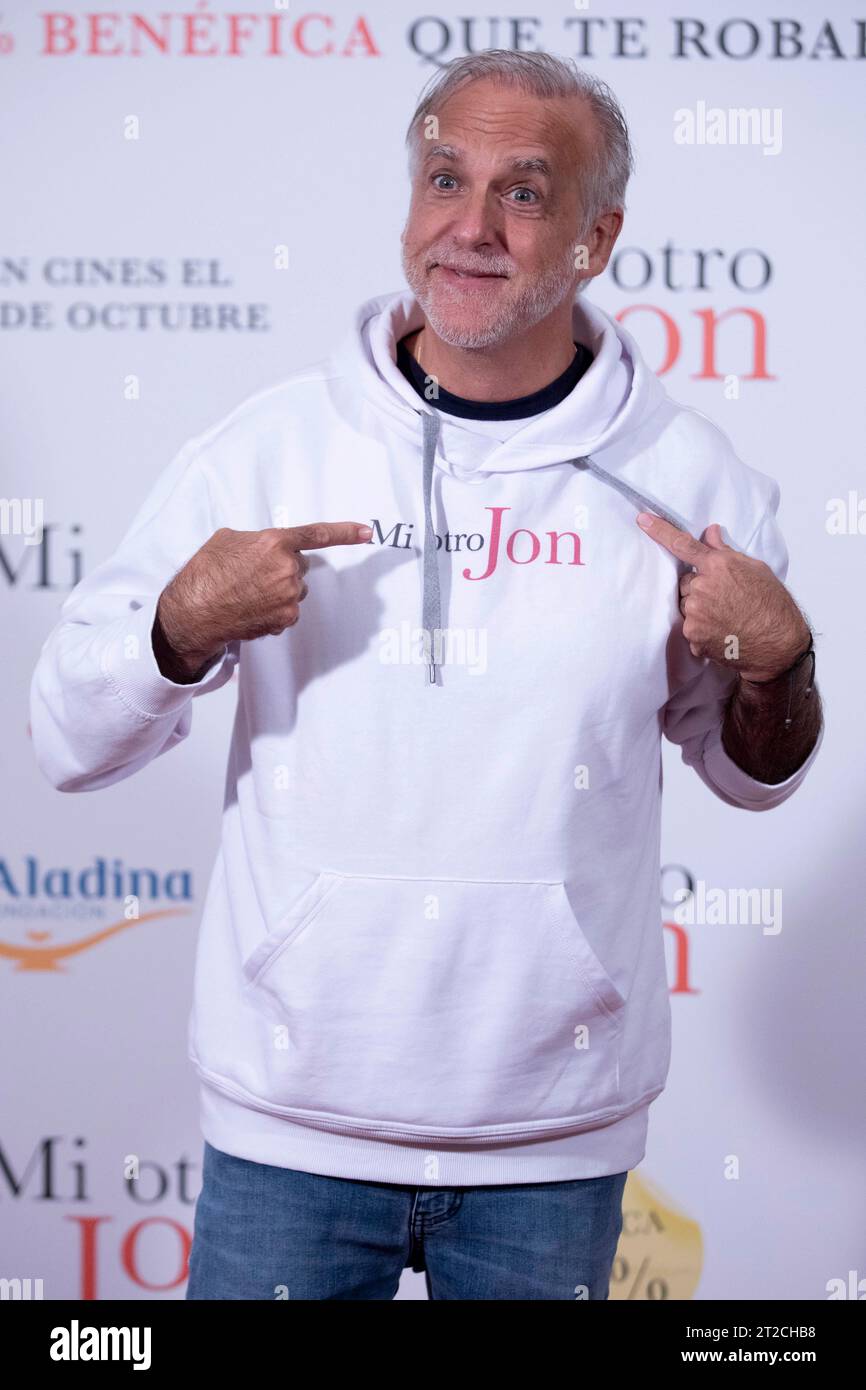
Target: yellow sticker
660	1250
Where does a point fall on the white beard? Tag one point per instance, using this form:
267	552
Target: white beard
515	315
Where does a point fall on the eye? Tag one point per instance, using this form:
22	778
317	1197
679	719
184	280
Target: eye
531	191
443	176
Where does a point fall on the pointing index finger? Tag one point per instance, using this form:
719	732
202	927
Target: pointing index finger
319	534
680	543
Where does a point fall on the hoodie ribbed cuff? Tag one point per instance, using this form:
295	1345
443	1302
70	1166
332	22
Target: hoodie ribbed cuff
129	664
747	791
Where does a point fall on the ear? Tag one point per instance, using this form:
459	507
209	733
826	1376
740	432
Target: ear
602	239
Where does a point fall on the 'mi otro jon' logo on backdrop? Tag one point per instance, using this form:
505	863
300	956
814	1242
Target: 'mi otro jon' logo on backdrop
50	914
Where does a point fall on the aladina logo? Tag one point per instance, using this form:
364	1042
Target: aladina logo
76	1343
457	646
723	907
736	126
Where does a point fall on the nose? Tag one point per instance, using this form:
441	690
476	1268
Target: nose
476	222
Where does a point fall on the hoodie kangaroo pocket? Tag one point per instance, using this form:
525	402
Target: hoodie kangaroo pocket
435	1009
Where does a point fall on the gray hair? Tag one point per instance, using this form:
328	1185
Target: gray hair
603	183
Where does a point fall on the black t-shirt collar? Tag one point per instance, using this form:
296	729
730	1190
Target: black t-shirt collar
516	409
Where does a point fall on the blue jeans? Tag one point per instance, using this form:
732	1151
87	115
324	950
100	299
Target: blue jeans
264	1232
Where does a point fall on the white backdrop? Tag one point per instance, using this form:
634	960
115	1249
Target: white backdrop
183	166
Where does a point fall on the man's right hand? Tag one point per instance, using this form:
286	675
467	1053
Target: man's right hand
240	585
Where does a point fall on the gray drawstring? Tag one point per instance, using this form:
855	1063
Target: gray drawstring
640	500
431	603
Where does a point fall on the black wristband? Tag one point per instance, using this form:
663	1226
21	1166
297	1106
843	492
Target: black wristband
810	651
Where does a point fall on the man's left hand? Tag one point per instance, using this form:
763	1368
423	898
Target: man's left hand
735	611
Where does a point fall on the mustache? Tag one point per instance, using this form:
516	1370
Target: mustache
491	267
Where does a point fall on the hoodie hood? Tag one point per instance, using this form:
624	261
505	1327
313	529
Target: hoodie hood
613	398
611	401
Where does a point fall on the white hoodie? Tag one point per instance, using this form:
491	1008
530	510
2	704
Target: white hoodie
431	948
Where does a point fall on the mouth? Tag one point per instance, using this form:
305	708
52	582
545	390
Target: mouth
466	276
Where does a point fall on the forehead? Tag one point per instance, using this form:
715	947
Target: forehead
500	120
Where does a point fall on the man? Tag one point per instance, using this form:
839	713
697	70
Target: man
430	1009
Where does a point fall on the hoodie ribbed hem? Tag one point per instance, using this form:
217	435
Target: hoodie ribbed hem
263	1138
